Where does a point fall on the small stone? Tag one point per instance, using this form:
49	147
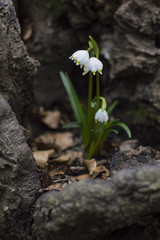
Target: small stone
142	158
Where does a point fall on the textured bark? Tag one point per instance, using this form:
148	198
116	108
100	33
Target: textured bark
17	69
94	209
18	175
136	56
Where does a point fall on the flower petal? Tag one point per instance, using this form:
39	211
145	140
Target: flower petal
94	65
101	116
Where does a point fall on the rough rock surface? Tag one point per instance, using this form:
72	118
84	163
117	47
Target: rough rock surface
136	54
95	209
18	174
17	69
18	177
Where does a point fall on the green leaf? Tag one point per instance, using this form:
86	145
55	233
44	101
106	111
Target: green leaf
72	125
95	46
76	106
78	109
125	127
112	107
115	131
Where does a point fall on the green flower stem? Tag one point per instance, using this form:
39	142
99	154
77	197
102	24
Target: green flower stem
89	114
94	146
90	90
97	87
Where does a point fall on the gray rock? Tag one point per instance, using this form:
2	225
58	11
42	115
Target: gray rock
95	209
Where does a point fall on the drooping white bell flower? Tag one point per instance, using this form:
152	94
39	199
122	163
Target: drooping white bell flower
101	116
80	57
94	65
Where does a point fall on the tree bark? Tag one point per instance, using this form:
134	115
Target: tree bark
18	175
17	69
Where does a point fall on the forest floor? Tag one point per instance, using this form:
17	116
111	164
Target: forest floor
60	159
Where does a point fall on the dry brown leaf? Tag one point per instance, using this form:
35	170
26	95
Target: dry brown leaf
74	154
90	164
68	157
57	187
57	172
101	162
81	177
61	159
52	140
101	169
64	140
51	118
45	141
42	157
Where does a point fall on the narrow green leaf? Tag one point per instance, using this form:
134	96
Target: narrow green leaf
78	109
112	107
71	95
95	46
76	106
125	127
72	125
115	131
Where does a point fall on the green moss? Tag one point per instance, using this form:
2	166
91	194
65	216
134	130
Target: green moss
144	114
122	160
53	201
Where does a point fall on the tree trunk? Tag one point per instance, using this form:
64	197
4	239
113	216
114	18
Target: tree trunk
18	176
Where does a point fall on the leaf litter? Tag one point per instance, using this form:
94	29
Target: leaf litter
56	155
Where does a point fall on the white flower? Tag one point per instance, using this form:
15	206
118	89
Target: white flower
94	65
101	116
80	57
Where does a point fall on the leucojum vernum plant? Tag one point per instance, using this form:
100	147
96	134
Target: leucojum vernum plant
92	120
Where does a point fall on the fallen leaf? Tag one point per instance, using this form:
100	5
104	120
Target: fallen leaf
90	164
64	140
51	118
57	187
77	169
74	154
101	162
56	172
81	177
61	159
68	157
53	140
101	169
45	141
42	157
